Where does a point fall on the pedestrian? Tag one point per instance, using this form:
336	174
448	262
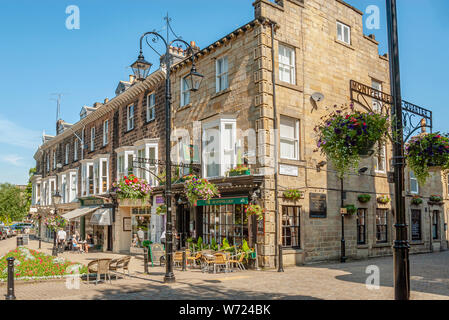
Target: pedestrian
140	236
61	239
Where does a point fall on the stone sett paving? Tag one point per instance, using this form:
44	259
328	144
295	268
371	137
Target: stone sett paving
429	280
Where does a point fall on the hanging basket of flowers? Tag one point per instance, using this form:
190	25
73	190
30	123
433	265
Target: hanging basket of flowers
255	209
426	152
293	194
161	210
351	209
364	198
383	199
132	188
416	200
54	222
345	135
199	189
435	199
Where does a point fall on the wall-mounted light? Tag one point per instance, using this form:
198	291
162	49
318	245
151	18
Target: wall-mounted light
363	170
320	165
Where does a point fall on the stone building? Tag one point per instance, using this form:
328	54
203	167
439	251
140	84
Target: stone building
291	63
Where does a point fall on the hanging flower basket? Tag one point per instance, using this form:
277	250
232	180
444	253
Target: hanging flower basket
435	199
133	188
255	209
416	200
240	170
383	199
54	222
427	152
293	194
345	135
364	198
199	189
161	210
351	209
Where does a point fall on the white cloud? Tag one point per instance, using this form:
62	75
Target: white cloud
13	159
13	134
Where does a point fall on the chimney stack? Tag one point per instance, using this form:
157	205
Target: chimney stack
106	100
132	78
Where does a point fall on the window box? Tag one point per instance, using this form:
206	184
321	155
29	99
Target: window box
239	173
383	199
364	198
416	201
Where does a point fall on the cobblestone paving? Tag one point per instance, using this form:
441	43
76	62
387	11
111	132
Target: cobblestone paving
430	280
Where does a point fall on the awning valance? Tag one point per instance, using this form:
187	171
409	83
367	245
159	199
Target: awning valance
102	217
78	212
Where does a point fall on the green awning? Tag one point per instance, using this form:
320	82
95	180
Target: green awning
222	201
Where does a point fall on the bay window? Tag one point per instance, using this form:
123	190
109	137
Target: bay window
219	146
289	138
146	151
73	186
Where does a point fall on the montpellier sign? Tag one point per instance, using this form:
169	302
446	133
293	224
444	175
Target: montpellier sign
221	202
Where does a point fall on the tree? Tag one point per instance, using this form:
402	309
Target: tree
29	189
13	204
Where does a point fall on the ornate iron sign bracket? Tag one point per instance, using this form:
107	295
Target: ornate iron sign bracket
414	117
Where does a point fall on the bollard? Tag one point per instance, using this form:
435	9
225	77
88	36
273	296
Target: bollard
145	260
184	261
19	241
10	295
281	258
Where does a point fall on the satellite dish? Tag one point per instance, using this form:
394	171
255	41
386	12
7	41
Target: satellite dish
317	96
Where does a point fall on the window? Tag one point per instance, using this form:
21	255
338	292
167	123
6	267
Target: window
75	150
289	134
343	33
54	160
185	93
73	186
361	226
414	186
130	117
97	177
92	139
90	179
377	104
435	225
67	148
151	102
105	132
416	225
48	163
120	167
221	72
219	147
130	164
381	226
380	165
104	176
290	226
287	70
141	173
153	165
63	188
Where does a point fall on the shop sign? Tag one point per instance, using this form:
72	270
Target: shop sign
318	205
222	201
160	200
91	202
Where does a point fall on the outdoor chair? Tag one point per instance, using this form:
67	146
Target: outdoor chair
177	259
193	261
220	262
99	267
77	247
206	262
239	262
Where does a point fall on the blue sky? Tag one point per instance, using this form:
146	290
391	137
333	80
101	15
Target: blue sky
39	56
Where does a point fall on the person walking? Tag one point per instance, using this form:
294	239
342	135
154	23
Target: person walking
61	239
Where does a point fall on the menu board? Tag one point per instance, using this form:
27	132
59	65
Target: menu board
318	205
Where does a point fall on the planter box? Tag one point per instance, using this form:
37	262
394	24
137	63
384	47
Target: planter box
241	173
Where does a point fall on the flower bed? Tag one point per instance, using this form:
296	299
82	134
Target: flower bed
34	265
426	151
199	189
343	136
132	188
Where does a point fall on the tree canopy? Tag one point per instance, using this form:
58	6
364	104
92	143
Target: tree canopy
13	203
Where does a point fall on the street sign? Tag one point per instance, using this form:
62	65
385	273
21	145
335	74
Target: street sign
222	201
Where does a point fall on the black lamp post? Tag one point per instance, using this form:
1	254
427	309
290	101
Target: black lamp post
141	69
401	244
56	201
343	241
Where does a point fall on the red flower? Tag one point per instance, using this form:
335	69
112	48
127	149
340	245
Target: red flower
127	181
135	180
126	178
364	123
347	116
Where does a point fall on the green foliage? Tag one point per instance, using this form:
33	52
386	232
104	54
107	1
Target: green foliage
54	222
383	199
292	194
226	245
198	188
255	209
416	200
213	245
199	244
352	209
132	188
426	151
346	134
161	210
435	198
13	203
364	198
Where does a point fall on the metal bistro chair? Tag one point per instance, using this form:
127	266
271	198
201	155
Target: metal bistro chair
239	261
121	263
207	261
220	262
99	267
177	259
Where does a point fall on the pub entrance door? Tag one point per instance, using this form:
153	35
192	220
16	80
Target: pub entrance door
182	225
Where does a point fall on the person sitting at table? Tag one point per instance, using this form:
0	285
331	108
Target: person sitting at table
77	245
135	241
88	243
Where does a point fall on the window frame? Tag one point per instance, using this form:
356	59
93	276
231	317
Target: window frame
105	132
291	66
296	140
151	107
67	150
377	225
436	225
343	26
411	173
295	227
130	123
185	93
412	211
75	150
361	228
92	139
221	76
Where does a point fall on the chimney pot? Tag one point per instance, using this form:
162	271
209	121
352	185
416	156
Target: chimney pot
106	100
132	78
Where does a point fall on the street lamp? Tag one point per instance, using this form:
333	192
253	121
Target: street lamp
141	69
56	201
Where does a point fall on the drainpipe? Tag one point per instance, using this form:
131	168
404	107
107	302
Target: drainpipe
275	153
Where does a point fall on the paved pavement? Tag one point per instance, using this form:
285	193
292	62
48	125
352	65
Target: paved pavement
429	280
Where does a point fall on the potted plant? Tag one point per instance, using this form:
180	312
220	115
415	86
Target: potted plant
351	209
133	188
161	210
345	135
427	152
255	209
364	198
383	199
416	200
240	170
198	188
435	199
293	194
